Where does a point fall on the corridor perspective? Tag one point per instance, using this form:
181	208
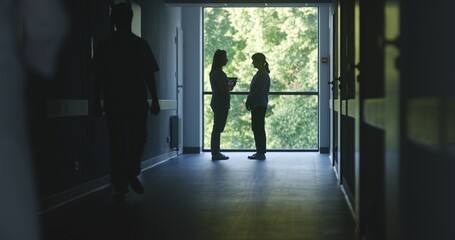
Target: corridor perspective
360	124
287	196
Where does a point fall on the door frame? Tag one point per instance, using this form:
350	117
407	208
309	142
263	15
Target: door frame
179	86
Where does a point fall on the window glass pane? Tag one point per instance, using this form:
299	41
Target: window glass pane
287	36
289	39
291	123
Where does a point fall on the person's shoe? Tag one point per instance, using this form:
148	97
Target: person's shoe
136	185
257	156
219	156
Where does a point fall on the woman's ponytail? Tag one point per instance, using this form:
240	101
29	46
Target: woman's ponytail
266	65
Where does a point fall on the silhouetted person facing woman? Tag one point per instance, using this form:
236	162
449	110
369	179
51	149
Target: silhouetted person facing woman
257	101
124	68
220	101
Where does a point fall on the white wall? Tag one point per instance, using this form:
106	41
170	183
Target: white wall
324	78
192	78
158	28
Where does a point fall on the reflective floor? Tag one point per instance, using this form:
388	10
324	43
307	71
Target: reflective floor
288	196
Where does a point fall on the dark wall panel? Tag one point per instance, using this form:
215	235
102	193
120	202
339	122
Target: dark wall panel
72	76
347	152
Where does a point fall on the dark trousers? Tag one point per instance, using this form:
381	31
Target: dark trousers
258	127
128	134
219	122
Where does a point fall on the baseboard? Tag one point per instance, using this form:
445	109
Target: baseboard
149	163
192	149
324	150
67	196
73	193
350	202
349	199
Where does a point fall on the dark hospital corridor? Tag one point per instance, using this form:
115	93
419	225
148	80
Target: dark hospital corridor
360	124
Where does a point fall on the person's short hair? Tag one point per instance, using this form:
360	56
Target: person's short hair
122	14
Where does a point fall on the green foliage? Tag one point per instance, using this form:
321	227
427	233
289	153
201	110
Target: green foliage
289	39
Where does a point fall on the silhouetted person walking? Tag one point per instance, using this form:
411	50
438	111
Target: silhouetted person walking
257	101
220	103
124	68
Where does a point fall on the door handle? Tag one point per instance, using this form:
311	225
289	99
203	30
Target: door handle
333	82
357	66
392	42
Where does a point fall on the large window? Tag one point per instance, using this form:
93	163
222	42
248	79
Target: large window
289	39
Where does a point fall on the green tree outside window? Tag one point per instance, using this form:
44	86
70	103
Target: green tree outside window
289	39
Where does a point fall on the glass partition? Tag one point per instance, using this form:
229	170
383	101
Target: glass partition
291	123
288	37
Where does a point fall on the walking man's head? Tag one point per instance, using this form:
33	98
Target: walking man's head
122	15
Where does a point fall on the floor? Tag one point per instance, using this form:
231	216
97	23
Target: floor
288	196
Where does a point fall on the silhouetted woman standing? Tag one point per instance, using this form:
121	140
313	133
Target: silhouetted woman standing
257	101
220	103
